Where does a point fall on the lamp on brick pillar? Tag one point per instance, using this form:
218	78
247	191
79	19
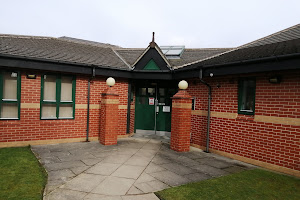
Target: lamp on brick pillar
109	114
181	119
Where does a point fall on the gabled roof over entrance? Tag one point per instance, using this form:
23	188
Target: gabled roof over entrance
152	59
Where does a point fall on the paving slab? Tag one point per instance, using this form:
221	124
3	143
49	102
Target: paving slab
152	146
212	171
195	155
104	153
197	177
63	165
128	171
60	174
105	169
152	167
84	182
54	184
219	164
151	186
125	150
150	196
146	153
134	190
92	196
158	159
144	177
48	160
53	154
186	161
82	156
138	161
169	154
117	159
178	168
170	178
91	161
79	170
64	194
114	186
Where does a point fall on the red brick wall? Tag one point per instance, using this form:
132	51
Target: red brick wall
273	143
30	127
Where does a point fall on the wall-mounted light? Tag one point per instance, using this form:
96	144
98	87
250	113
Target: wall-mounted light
31	76
275	79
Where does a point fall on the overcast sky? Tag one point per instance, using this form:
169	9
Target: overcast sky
130	23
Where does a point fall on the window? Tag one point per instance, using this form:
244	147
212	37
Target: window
58	97
10	92
194	103
246	101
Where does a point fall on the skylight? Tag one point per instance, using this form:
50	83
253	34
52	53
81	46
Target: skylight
172	52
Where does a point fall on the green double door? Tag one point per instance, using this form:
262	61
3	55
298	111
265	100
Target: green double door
153	106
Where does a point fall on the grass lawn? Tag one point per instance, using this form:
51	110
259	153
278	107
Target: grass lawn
252	184
21	175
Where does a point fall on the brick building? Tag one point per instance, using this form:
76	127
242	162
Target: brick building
242	102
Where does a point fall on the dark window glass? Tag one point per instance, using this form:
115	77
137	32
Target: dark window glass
246	96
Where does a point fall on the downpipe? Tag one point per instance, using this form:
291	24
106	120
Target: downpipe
88	104
208	109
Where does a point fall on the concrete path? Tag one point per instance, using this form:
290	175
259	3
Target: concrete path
131	170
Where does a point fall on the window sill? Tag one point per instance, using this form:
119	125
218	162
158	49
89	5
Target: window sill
9	118
57	122
57	118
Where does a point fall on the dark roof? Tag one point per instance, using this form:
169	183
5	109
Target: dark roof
285	42
83	52
60	50
193	55
81	41
290	33
290	47
130	55
188	56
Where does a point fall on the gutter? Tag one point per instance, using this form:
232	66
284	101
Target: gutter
88	104
208	109
44	60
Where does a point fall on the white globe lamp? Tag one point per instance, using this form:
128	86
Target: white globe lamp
110	81
183	85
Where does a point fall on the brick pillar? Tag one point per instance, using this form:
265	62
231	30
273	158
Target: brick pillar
181	121
109	117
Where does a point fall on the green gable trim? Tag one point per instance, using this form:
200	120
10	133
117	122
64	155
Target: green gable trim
151	65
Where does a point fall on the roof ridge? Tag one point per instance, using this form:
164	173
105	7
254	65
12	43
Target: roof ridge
209	48
129	49
122	59
268	36
26	36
